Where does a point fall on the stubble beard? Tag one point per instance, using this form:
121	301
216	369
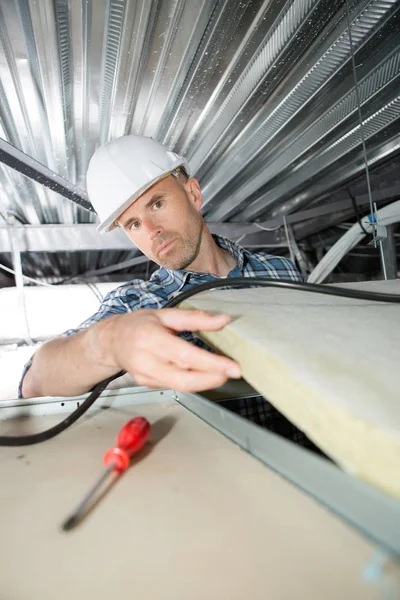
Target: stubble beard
186	255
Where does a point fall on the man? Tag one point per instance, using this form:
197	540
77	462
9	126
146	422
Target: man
139	185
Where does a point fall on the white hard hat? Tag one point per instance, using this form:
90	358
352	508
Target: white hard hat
122	170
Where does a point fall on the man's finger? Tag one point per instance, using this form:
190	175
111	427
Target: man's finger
192	320
188	356
161	374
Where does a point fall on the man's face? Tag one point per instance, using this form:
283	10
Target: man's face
165	222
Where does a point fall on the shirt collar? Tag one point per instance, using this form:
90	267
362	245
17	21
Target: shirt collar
238	253
178	277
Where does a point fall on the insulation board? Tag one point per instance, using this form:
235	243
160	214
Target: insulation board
330	364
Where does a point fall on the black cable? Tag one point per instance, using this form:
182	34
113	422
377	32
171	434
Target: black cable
209	285
94	289
315	288
42	436
357	212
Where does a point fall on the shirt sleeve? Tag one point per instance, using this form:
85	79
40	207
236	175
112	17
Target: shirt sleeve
279	267
24	371
287	269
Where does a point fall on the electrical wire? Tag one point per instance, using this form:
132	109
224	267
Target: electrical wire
259	227
92	286
357	212
360	119
288	240
42	436
240	282
267	228
328	290
25	276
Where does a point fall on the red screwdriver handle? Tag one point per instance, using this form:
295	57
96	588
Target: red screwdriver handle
130	441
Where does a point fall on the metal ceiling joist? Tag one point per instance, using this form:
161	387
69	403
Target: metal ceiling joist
64	238
82	237
273	156
21	162
85	237
259	94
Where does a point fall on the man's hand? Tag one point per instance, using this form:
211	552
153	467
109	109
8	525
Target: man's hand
145	344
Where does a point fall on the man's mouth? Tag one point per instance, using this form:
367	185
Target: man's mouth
165	247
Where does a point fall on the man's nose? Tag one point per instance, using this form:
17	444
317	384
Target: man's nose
152	228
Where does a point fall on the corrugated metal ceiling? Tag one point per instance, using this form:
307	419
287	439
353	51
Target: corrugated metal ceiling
259	95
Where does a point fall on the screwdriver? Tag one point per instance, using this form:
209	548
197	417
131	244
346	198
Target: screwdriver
131	439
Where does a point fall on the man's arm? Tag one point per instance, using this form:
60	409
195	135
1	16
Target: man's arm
143	343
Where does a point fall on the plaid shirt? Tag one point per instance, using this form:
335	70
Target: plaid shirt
164	284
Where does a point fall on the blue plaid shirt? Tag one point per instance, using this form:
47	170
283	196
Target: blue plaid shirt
165	284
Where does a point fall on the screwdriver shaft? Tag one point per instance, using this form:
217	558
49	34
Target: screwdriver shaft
80	509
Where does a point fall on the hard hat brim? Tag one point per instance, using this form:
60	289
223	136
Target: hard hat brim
110	223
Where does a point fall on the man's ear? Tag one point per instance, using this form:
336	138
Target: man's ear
194	191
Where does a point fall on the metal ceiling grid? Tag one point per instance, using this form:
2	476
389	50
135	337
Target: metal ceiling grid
259	95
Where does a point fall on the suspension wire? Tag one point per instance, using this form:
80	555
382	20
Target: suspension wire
353	62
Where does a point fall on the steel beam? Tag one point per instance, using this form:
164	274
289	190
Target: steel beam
28	166
70	238
64	238
84	236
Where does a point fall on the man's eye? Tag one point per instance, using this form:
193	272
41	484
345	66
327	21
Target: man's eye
134	225
157	204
